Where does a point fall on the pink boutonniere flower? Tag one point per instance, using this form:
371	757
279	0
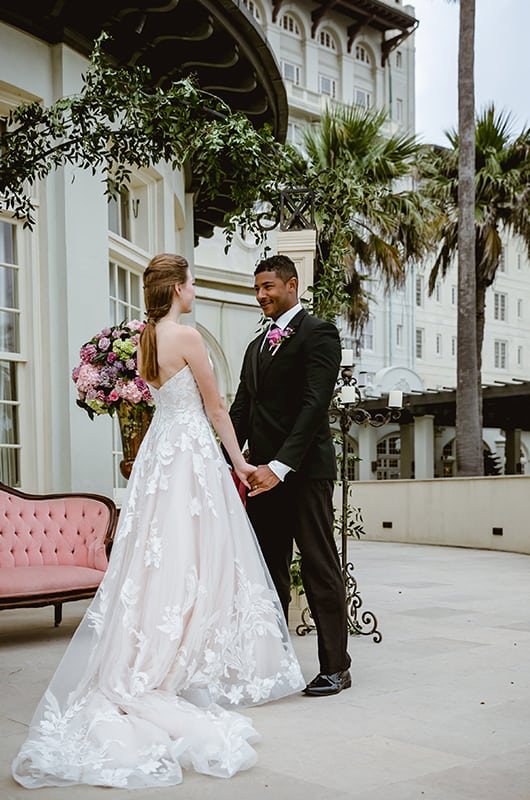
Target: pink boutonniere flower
276	336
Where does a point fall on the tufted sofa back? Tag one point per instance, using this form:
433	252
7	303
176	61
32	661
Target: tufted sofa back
54	530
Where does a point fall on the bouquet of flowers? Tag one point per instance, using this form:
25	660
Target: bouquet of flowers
108	374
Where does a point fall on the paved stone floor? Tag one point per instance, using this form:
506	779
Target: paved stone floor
439	710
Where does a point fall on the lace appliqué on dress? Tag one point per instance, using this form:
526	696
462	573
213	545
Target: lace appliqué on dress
185	622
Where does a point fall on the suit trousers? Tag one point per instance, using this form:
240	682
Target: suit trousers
301	509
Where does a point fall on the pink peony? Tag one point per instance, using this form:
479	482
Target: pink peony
129	391
135	325
87	378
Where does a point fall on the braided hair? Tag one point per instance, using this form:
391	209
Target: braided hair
160	276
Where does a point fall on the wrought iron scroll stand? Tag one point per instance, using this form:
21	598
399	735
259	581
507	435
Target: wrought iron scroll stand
345	410
297	213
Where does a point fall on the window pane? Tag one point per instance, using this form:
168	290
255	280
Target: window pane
8	287
114	216
9	466
125	216
9	332
9	424
112	279
8	385
122	284
7	243
135	292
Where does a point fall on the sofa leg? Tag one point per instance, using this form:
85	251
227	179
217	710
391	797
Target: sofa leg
58	613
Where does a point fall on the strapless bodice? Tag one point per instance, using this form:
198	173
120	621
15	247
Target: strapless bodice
178	394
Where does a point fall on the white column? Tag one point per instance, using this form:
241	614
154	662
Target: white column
406	435
311	65
424	446
367	452
300	247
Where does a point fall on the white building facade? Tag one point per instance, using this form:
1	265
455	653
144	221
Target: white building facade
410	341
81	268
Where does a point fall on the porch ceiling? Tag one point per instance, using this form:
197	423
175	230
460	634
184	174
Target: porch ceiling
218	41
504	405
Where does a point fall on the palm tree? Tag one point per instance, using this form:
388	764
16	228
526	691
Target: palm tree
501	194
367	220
469	458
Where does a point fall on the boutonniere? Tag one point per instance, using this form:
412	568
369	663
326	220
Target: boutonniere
276	336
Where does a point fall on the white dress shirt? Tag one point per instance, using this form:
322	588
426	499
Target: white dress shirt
280	469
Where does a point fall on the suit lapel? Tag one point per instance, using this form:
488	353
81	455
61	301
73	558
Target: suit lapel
254	359
294	324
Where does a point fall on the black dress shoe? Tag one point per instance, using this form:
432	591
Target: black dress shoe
323	685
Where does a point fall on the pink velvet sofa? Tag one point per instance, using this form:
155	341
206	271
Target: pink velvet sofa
53	547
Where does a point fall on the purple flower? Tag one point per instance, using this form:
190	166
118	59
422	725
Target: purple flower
107	376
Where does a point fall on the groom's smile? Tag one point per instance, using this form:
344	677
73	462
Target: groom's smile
273	295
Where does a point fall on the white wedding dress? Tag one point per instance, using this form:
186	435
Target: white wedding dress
185	626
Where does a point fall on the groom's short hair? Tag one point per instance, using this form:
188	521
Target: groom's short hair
283	266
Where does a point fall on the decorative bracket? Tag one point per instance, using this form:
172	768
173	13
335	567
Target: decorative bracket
387	45
276	5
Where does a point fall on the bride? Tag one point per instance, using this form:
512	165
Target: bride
186	624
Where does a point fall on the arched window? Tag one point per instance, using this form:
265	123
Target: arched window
254	10
326	40
389	458
362	55
492	463
289	24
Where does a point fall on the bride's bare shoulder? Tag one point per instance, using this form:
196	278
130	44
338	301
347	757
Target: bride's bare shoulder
175	330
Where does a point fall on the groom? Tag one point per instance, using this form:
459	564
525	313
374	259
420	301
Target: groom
281	409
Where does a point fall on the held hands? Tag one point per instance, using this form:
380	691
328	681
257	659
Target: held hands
262	480
243	471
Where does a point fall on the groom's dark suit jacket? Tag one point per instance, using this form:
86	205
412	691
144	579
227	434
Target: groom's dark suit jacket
281	408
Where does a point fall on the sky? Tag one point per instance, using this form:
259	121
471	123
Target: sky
502	62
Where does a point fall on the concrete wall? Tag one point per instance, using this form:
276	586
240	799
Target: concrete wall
460	512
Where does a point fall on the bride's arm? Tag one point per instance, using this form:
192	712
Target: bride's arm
196	355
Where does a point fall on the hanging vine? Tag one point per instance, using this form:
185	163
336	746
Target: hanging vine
120	121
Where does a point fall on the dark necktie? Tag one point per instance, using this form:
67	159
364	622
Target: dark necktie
265	354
